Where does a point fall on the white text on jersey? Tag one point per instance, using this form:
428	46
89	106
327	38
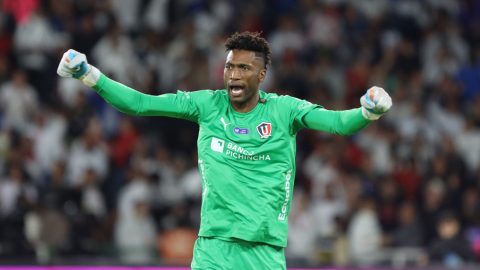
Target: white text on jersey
282	215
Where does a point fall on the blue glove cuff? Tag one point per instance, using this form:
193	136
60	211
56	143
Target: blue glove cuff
374	112
83	67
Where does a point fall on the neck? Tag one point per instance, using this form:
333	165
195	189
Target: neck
248	105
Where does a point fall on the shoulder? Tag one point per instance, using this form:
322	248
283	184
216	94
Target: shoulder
208	92
202	94
268	96
205	98
293	102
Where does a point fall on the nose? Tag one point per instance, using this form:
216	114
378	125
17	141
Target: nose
236	74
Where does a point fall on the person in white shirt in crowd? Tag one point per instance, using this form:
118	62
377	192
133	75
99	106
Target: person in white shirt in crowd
365	234
92	200
324	28
375	141
443	52
48	136
287	36
328	207
18	101
302	230
34	40
16	191
89	151
112	51
127	12
135	231
468	145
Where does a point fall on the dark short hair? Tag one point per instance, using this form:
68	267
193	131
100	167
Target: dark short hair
448	216
250	42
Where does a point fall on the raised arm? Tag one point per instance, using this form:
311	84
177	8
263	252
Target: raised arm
130	101
123	98
338	122
375	103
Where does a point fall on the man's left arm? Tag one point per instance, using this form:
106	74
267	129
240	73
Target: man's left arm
375	103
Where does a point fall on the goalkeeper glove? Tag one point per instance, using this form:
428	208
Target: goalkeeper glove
375	103
75	65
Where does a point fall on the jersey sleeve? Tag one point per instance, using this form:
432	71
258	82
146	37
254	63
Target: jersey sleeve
186	105
294	110
347	122
194	106
304	114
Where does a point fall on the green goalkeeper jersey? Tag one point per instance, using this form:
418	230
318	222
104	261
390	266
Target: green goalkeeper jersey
246	160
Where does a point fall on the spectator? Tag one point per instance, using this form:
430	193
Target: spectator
286	37
80	115
443	58
170	190
468	145
324	27
48	133
376	143
388	204
112	51
409	233
372	9
124	142
87	36
136	236
135	230
303	234
5	68
46	230
156	16
365	234
433	204
451	248
93	202
55	192
34	41
16	193
326	209
471	208
408	178
127	13
18	99
86	152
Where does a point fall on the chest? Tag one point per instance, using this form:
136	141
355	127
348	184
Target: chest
259	127
262	132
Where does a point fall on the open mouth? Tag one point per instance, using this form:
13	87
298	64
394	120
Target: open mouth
236	90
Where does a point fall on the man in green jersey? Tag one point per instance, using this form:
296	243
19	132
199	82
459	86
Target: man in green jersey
246	149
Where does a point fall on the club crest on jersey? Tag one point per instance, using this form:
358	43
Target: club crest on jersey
265	130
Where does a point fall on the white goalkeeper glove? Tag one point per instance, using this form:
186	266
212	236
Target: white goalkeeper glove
375	103
75	65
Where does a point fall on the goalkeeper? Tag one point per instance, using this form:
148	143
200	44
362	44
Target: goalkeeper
246	149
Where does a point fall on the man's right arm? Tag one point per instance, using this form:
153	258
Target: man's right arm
123	98
130	101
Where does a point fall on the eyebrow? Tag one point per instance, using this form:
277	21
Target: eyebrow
240	65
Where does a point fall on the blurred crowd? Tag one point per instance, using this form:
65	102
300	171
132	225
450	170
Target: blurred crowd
78	178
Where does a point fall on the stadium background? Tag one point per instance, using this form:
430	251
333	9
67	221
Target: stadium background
82	184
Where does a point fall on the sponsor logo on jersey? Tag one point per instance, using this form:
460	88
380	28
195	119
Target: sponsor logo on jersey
283	214
202	167
236	151
217	145
224	124
238	130
265	130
